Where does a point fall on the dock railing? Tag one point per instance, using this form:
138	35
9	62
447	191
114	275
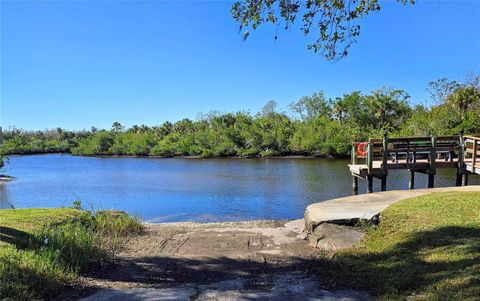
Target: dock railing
407	151
417	154
472	151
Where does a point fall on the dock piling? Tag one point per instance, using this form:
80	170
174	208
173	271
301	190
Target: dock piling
411	181
458	180
384	183
432	162
431	180
355	185
384	161
369	184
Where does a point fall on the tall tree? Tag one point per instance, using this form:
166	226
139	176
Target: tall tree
457	95
463	98
440	89
269	108
388	103
311	106
351	108
117	127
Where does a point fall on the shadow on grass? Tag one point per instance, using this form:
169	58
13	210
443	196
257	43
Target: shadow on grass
25	275
34	268
438	265
443	264
23	279
20	239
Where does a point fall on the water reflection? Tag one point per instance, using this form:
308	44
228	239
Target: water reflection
4	199
186	189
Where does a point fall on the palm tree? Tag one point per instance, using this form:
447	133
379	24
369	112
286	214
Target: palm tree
379	103
463	98
384	101
117	127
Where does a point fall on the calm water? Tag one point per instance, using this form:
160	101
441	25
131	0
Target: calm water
187	189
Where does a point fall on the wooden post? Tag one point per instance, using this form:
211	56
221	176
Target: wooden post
354	185
461	160
461	151
414	152
385	153
354	178
474	159
354	156
433	153
370	158
384	161
458	180
465	179
370	168
431	180
431	170
411	182
407	159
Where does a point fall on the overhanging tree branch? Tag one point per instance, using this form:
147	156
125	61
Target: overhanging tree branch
335	20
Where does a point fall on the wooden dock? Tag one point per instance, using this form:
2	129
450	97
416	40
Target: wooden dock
472	149
373	159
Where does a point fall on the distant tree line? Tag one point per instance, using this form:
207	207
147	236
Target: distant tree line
314	126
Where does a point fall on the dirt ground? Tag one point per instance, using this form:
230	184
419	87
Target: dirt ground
260	260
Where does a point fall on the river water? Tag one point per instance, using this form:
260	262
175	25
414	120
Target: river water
164	190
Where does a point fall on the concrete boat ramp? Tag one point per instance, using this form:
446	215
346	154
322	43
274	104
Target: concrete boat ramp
256	260
365	206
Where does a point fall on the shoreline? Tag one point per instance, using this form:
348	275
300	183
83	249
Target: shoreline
266	258
6	179
188	157
240	224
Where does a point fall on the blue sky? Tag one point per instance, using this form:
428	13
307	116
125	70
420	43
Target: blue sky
77	64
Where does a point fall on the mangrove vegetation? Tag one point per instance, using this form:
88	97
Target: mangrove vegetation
313	126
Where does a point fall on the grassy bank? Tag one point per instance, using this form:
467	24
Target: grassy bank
425	248
42	251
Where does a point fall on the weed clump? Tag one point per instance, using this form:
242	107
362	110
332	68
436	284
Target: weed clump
38	259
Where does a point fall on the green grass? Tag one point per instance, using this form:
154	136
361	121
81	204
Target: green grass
43	250
425	248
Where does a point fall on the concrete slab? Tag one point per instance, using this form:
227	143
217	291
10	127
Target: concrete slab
331	237
144	294
365	206
289	286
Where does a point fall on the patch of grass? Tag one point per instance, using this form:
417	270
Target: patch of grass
425	248
43	250
113	226
31	219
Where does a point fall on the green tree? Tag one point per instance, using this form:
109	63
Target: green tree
389	106
440	89
463	99
117	127
352	109
334	20
312	106
324	127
